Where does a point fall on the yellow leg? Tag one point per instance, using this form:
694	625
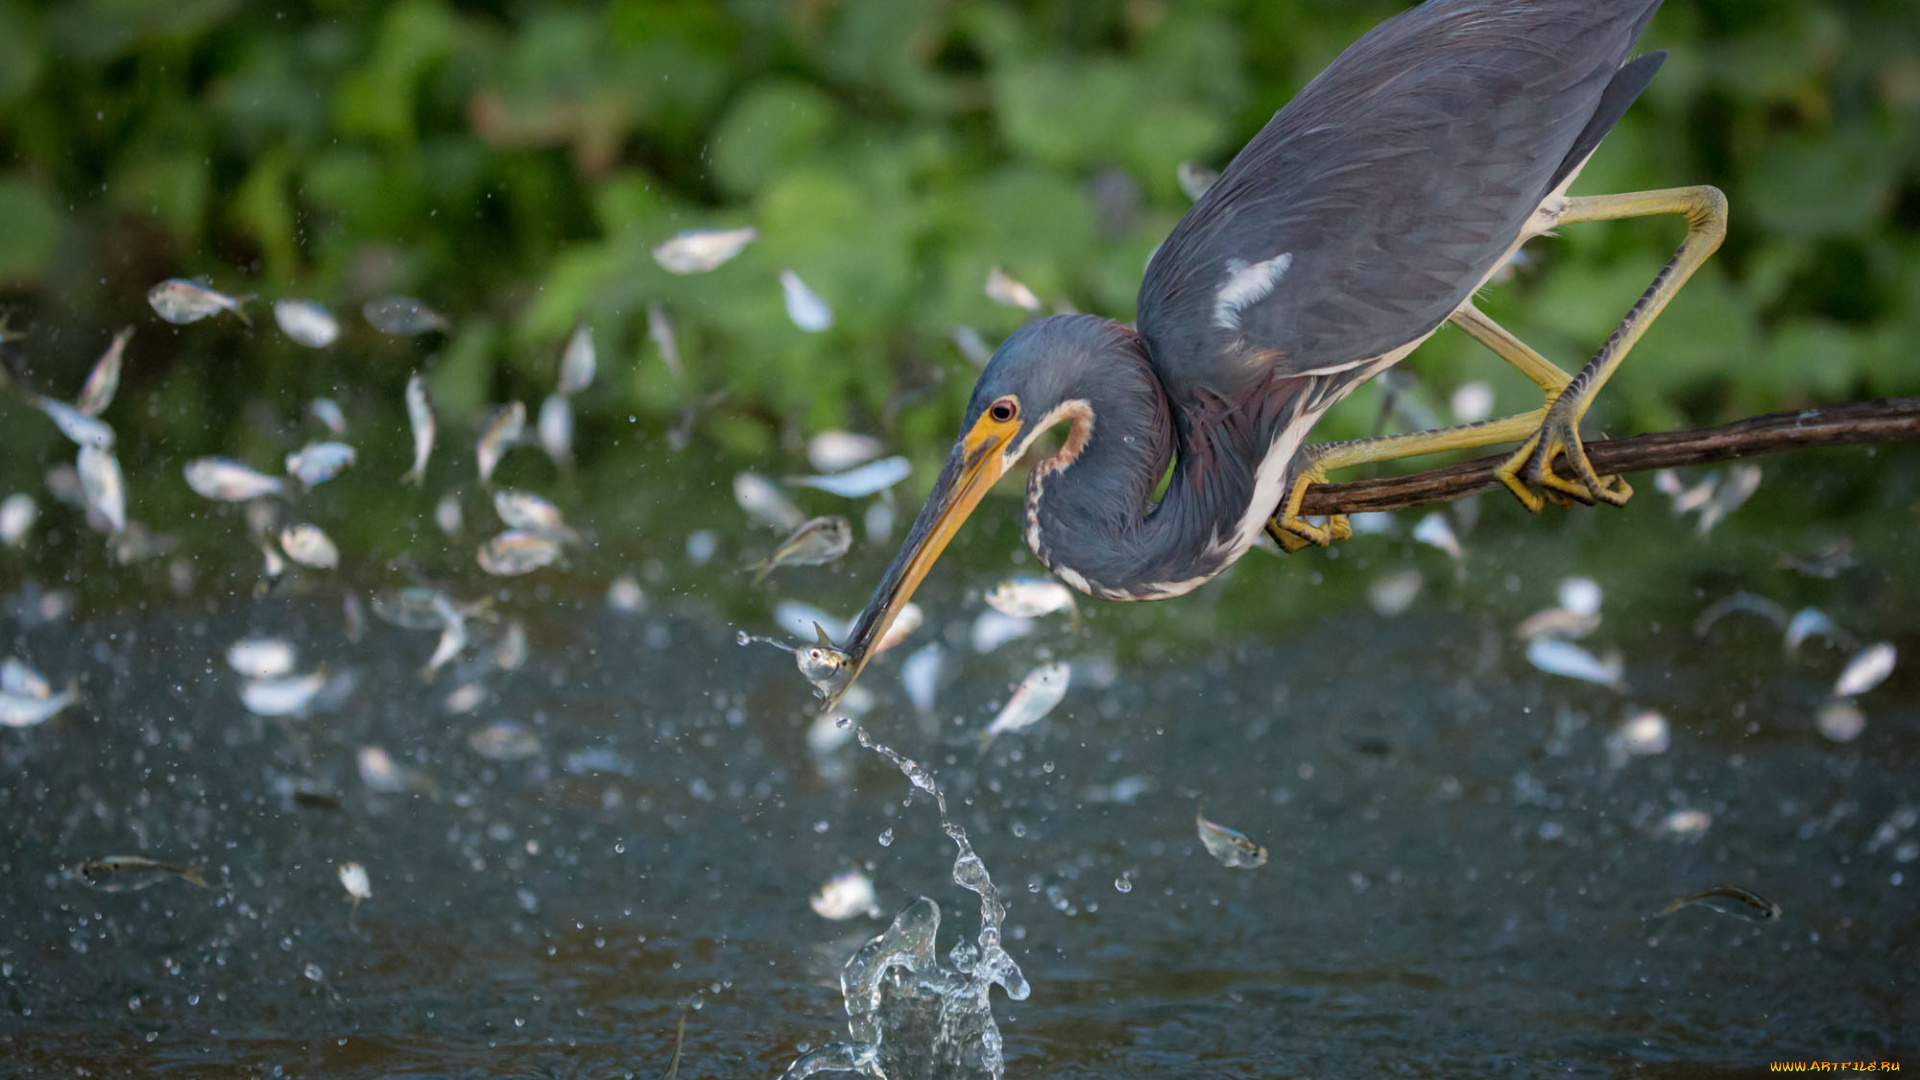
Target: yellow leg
1531	466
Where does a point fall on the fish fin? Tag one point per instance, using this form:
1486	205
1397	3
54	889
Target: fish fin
239	308
820	634
195	875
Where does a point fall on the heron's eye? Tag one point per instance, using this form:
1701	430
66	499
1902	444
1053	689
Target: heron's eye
1004	410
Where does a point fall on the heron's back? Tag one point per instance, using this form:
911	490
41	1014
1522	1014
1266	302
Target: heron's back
1392	184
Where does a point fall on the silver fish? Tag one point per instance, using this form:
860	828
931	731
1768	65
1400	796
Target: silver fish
869	479
697	251
920	674
84	430
307	545
1556	657
832	451
765	503
823	664
904	624
1741	482
31	710
517	552
1042	689
578	362
993	629
416	608
130	873
104	489
1230	846
1030	597
180	301
505	740
329	413
814	543
1808	622
317	463
1556	622
524	510
380	772
1435	531
660	329
804	306
1840	720
1685	499
17	677
403	316
502	434
283	695
261	657
1868	669
1003	289
1732	900
18	512
226	480
1735	604
1195	179
448	515
510	652
420	415
971	345
453	637
104	381
803	620
307	322
1392	593
353	878
556	429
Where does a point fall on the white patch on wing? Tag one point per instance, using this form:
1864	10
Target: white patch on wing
1246	284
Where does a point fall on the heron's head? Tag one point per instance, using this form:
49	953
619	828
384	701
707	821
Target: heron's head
1042	376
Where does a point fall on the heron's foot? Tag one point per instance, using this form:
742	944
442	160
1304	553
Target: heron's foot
1530	475
1293	532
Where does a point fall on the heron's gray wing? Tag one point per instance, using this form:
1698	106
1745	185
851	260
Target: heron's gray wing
1372	204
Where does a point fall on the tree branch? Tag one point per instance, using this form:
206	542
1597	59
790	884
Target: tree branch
1886	420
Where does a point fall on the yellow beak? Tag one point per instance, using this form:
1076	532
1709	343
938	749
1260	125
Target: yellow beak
977	462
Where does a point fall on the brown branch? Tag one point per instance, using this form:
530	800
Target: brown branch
1886	420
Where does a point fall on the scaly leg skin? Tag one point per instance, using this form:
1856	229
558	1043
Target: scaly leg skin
1529	472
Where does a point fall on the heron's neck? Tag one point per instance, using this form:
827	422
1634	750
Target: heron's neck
1090	512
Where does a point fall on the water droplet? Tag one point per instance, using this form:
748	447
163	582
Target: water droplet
1123	883
1048	767
886	838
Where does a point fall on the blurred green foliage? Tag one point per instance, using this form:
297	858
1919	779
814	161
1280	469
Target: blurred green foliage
515	163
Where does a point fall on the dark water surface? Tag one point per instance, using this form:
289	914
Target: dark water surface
1461	881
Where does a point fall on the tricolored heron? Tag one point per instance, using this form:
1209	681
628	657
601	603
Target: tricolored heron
1360	219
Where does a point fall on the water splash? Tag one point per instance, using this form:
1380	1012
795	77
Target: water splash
911	1018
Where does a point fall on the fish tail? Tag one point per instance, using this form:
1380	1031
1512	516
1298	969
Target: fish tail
760	570
1677	903
986	739
413	476
239	308
195	875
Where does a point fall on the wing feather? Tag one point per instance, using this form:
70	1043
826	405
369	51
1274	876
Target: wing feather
1394	181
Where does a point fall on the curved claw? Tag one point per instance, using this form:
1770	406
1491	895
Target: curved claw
1293	532
1529	473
